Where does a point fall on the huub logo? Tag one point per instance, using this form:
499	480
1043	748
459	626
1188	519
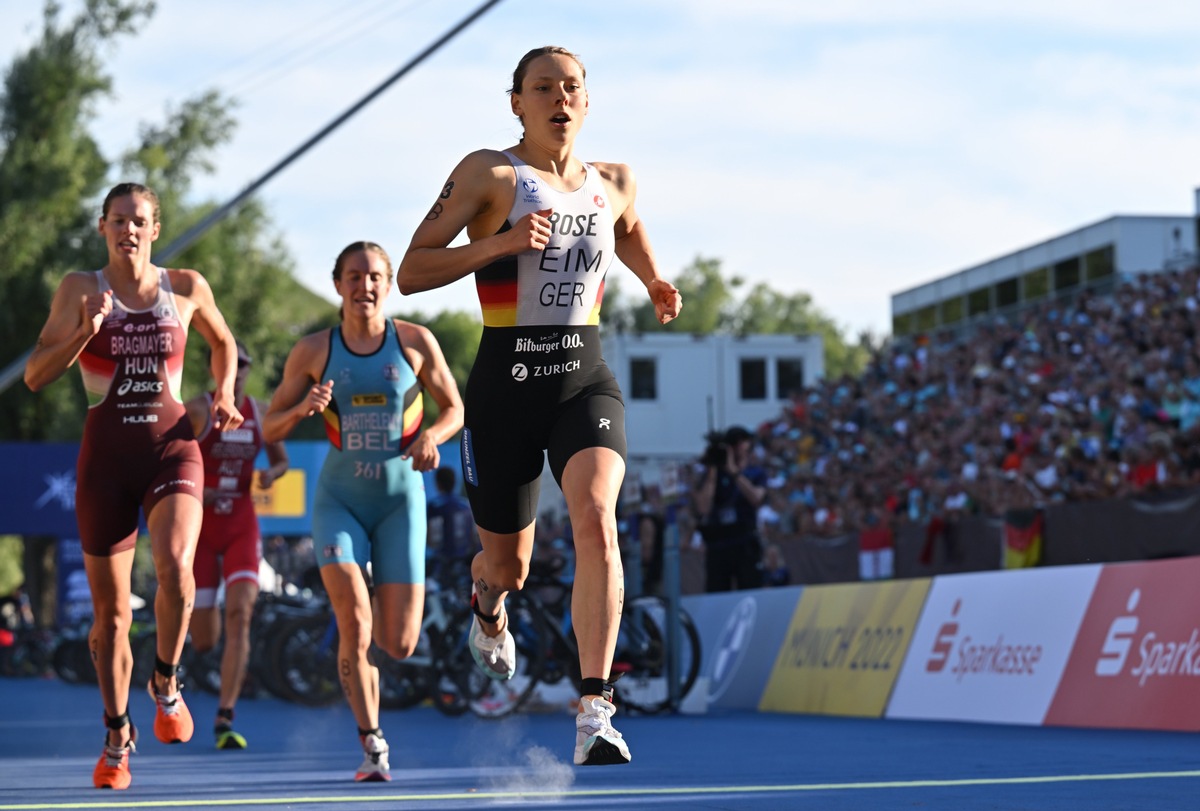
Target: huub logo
1119	639
520	372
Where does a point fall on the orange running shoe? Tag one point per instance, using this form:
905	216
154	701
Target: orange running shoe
172	720
112	770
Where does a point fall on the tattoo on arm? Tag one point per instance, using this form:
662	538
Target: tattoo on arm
437	209
482	584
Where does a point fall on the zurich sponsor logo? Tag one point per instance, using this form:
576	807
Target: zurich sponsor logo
520	372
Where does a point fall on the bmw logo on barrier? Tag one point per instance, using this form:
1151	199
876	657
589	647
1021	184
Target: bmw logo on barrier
732	645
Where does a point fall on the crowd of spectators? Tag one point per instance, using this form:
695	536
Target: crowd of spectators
1092	398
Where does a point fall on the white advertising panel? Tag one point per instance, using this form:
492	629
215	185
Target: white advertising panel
992	646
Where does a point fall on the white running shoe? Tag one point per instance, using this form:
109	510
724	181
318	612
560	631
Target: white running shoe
375	766
596	742
495	655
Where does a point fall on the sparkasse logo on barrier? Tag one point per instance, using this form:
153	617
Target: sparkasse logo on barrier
1136	662
991	646
1001	656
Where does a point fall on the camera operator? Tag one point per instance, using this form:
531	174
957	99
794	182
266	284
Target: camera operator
727	502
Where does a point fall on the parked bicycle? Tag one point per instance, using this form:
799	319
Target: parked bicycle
304	655
71	658
271	613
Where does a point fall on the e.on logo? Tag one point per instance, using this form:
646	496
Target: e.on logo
943	643
1119	639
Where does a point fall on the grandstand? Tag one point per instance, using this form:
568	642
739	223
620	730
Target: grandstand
1066	411
1093	257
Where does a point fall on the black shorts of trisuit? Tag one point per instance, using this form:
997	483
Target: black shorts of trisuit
519	412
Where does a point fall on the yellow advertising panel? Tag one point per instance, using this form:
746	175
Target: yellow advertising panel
844	648
284	499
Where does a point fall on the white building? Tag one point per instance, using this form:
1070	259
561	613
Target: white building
1093	256
679	387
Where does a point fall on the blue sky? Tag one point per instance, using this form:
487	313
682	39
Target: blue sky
850	150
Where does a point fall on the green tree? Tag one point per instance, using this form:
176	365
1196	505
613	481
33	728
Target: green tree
709	301
764	310
242	257
52	177
51	172
711	305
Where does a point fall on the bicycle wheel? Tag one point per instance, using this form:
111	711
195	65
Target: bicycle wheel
71	661
640	663
449	685
304	655
144	645
203	669
456	678
271	616
404	683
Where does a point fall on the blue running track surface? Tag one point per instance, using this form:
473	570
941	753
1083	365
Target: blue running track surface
300	758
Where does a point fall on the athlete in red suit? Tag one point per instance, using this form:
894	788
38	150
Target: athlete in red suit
126	324
230	547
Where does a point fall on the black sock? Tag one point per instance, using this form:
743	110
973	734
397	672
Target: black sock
592	687
492	619
167	671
